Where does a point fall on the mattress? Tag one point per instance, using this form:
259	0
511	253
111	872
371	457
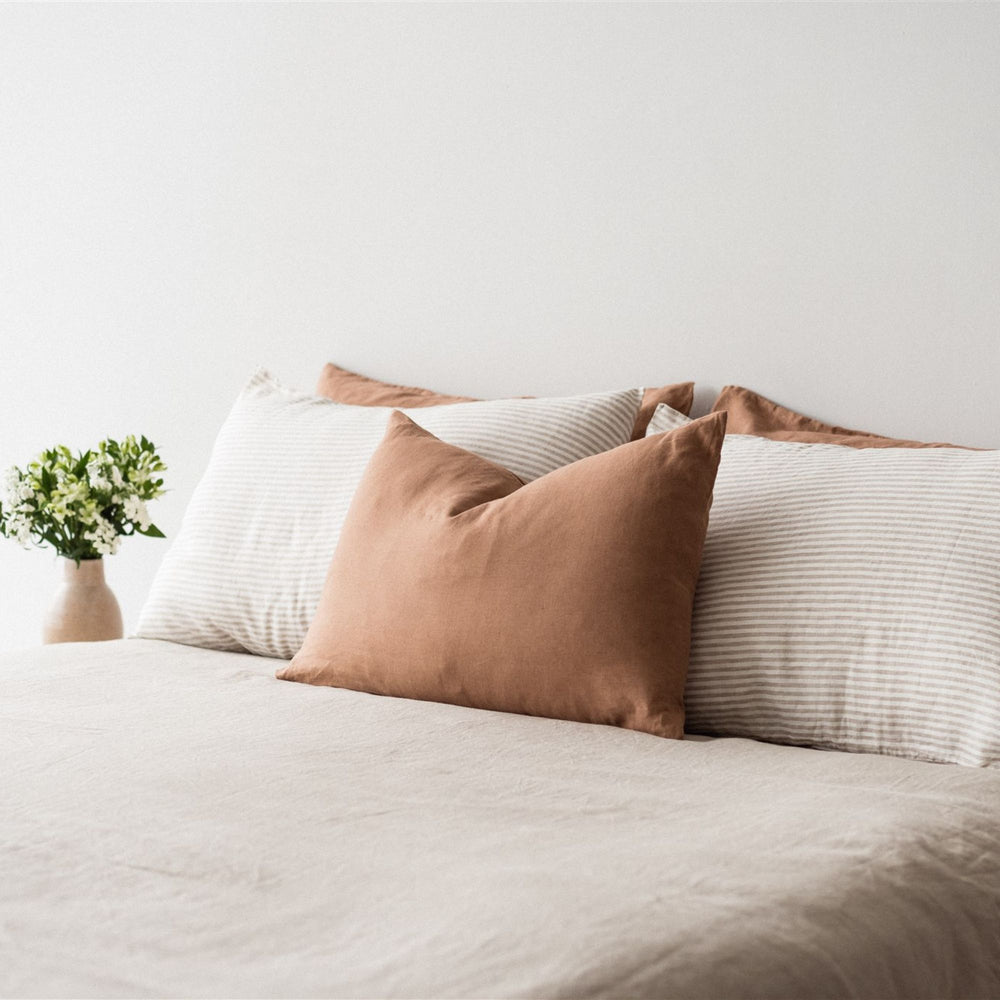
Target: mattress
176	822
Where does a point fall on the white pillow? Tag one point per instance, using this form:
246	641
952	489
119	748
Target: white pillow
850	599
247	568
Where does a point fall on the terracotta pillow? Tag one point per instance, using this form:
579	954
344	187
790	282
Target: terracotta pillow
569	597
343	386
751	413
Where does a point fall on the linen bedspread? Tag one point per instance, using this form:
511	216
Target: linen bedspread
176	822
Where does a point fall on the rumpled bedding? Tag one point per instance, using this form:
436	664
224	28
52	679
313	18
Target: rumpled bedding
176	822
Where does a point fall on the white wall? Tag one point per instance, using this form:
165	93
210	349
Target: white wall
490	200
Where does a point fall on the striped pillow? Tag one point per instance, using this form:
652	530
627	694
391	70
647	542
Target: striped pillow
850	599
247	568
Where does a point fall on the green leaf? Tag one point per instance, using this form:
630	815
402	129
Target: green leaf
151	532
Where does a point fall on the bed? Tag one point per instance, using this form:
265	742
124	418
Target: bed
177	822
594	700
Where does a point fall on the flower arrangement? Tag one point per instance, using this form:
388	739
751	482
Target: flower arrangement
82	504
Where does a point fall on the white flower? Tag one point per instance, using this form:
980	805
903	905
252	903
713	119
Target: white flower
15	489
135	511
84	514
96	474
104	536
72	492
19	528
116	476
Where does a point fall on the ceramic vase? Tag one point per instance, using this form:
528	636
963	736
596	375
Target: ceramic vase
84	609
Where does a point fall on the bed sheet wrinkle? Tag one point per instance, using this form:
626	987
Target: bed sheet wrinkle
201	829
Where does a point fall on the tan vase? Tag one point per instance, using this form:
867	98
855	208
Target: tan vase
84	609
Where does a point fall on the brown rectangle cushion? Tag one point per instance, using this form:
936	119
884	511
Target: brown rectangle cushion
751	413
569	597
343	386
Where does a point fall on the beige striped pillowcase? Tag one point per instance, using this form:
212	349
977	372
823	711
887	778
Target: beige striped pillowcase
850	599
246	570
